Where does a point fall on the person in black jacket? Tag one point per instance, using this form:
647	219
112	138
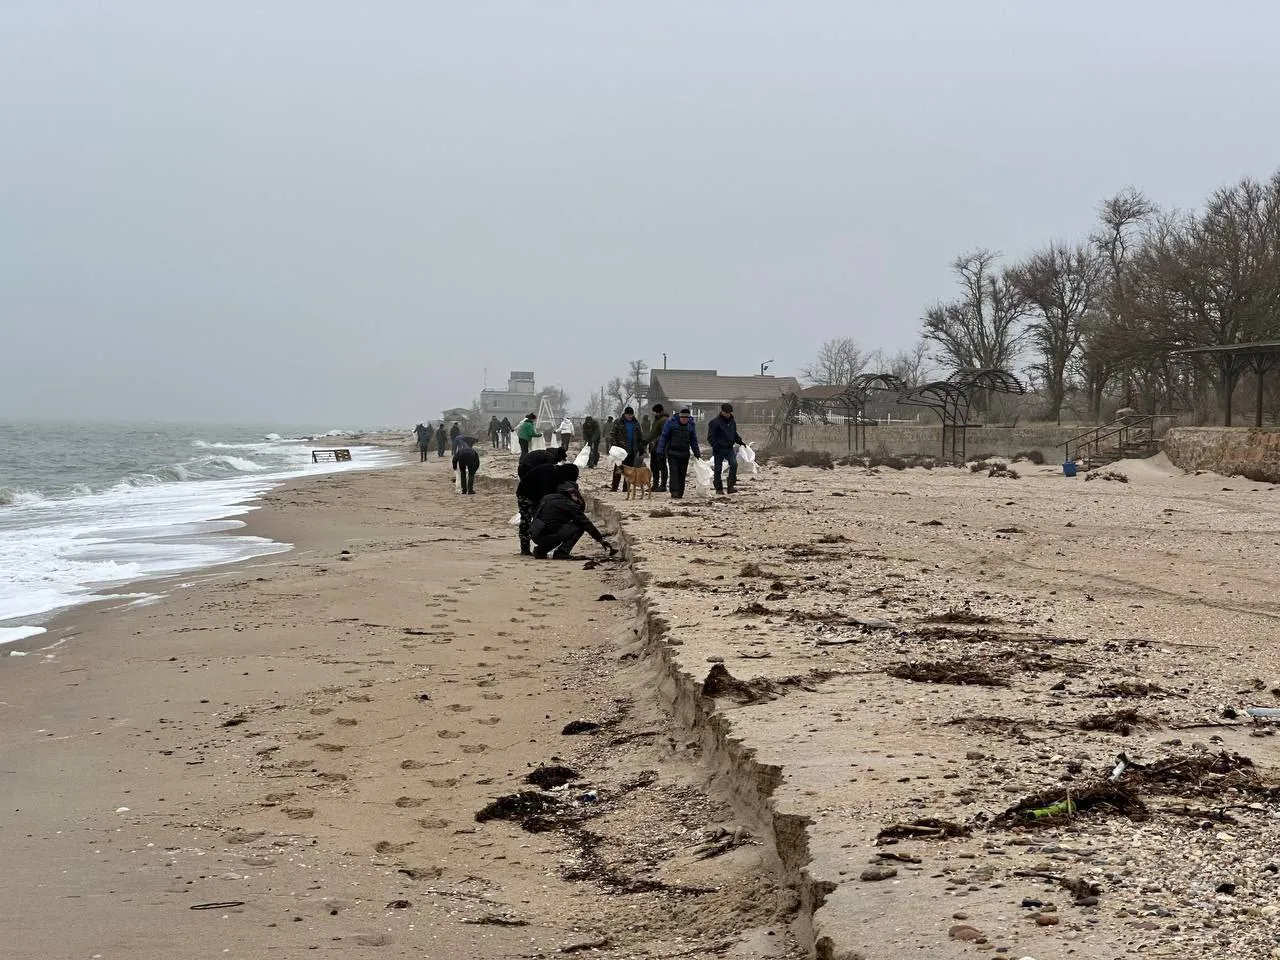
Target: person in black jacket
466	460
559	523
442	437
525	503
658	461
722	437
679	440
424	435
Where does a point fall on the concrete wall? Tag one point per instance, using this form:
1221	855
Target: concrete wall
901	441
1232	451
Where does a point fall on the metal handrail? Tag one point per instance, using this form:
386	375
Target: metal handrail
1121	427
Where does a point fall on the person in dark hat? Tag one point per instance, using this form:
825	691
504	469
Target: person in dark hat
442	438
629	435
657	461
678	442
527	430
559	523
723	439
528	494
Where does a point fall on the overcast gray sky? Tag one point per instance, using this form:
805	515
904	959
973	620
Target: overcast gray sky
343	212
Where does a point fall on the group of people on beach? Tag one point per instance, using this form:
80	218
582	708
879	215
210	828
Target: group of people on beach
552	511
438	436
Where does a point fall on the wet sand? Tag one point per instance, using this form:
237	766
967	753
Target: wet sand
287	757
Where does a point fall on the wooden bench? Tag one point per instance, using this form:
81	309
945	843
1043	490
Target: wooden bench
339	455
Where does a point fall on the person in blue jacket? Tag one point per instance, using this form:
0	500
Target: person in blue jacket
722	437
679	440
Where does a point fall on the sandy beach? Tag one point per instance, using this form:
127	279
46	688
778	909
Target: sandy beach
288	756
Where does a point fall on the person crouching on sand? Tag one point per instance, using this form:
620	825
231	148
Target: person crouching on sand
466	460
559	523
525	503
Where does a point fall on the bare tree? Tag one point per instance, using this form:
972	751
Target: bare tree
837	363
617	392
982	327
598	406
1060	285
911	366
637	380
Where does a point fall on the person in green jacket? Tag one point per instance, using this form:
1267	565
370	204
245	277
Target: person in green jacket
527	430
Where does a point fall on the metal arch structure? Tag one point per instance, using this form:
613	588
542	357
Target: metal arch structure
1261	357
952	398
848	400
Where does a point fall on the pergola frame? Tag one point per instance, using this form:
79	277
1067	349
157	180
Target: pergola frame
1233	359
952	398
851	401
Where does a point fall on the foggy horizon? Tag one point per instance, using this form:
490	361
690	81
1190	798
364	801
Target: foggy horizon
313	213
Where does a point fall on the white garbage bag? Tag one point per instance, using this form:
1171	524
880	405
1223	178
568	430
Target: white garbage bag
584	455
515	521
702	475
617	455
457	481
747	458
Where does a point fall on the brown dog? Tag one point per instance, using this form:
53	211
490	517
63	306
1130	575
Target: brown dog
638	478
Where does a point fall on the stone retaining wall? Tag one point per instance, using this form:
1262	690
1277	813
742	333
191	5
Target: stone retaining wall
1231	451
906	440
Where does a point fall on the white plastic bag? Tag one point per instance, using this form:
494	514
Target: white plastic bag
702	475
515	521
584	455
617	455
747	456
457	481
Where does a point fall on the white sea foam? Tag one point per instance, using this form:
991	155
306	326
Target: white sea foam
58	553
10	634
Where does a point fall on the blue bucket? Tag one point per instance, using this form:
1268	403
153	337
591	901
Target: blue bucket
1069	468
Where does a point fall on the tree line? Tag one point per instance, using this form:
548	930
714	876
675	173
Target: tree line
1099	321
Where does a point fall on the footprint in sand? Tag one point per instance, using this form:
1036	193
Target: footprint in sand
389	848
406	802
310	735
297	764
491	696
475	748
320	711
346	722
274	798
448	734
449	782
333	777
458	708
360	698
331	689
432	823
245	836
330	747
422	873
299	813
412	765
488	721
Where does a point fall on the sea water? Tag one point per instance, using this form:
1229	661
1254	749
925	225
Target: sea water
86	508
